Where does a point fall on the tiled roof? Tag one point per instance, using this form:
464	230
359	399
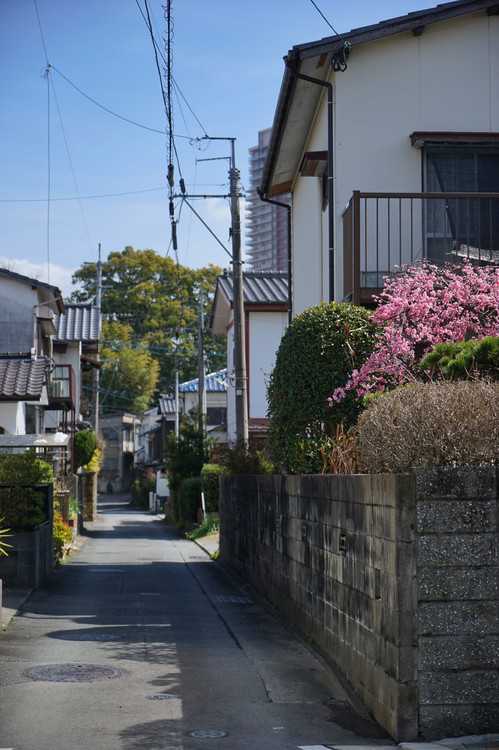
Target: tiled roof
22	379
79	323
166	405
265	288
215	382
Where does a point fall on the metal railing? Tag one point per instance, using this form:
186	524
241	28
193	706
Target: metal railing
383	232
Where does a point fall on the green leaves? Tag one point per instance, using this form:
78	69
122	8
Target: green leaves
317	354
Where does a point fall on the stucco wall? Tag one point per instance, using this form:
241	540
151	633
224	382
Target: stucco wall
13	417
393	577
265	332
445	79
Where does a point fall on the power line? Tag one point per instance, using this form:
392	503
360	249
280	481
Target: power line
102	195
112	112
42	36
49	165
319	11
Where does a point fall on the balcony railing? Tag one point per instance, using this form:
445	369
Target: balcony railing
61	387
383	232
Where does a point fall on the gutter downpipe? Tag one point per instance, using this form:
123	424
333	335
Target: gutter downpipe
330	165
290	267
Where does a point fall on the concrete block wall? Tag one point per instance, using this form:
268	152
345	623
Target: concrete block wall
394	578
458	601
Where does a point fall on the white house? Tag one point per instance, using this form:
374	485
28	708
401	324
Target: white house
216	404
266	318
385	115
28	310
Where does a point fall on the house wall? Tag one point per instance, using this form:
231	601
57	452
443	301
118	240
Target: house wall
13	417
265	332
72	356
445	79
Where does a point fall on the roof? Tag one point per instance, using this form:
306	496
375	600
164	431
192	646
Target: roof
79	322
260	288
298	99
166	405
265	290
47	440
215	382
55	292
22	379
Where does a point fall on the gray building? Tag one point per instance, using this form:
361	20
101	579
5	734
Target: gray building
266	224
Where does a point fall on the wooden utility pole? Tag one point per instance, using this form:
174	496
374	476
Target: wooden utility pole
201	372
96	372
239	318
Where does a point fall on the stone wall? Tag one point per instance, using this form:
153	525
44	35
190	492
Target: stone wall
382	572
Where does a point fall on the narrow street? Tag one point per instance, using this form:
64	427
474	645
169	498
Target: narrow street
141	640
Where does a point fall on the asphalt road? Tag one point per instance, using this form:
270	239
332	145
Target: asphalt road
140	639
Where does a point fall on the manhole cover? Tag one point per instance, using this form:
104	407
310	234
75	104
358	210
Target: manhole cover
208	734
224	599
160	697
73	673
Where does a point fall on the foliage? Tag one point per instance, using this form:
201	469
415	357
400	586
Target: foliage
210	475
85	443
318	353
73	507
4	534
188	501
25	469
430	424
185	458
423	306
341	455
242	460
62	535
464	359
154	298
130	373
210	525
95	463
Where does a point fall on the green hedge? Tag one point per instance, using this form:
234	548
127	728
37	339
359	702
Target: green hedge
188	501
317	354
21	506
85	443
210	476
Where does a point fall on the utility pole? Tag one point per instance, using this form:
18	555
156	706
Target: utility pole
96	372
177	401
201	372
239	319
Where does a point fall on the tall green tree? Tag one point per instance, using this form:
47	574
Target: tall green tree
157	299
129	374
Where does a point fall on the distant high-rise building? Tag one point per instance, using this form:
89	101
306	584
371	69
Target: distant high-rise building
266	224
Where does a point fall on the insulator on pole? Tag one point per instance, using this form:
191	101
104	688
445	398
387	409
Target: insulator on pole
174	235
182	186
172	208
171	178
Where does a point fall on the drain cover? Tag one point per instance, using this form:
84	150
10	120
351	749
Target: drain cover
224	599
208	734
159	697
73	673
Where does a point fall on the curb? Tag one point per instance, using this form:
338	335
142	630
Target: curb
8	613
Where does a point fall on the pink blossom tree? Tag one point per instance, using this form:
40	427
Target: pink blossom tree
418	308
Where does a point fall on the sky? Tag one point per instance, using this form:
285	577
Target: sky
228	63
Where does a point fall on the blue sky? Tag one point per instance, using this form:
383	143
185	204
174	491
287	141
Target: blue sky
228	61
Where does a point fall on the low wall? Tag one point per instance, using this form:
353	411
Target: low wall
355	561
30	561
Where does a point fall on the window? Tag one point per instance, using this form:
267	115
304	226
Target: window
216	415
466	227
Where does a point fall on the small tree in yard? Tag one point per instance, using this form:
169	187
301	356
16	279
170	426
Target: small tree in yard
423	306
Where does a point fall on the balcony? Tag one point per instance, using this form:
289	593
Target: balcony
61	387
382	232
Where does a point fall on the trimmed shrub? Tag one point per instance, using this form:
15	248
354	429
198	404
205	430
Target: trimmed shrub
85	443
430	424
317	354
464	359
188	501
242	460
210	475
25	469
22	507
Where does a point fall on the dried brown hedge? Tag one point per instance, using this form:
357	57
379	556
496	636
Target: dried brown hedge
430	424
